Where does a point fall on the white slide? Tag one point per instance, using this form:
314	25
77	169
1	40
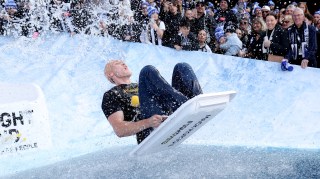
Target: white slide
187	119
24	120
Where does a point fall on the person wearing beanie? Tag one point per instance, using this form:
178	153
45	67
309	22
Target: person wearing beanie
9	18
224	14
272	5
155	29
257	12
141	16
151	10
10	7
231	44
10	4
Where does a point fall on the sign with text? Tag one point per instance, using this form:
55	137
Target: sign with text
24	121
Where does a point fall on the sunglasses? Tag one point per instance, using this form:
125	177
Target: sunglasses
285	22
243	22
265	11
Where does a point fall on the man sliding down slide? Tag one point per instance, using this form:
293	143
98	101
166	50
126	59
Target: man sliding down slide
158	99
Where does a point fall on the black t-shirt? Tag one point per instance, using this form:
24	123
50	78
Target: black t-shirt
119	98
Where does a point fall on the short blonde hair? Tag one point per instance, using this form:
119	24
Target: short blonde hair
108	69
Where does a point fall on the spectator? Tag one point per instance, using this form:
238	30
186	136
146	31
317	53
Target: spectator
172	20
244	39
258	12
282	13
185	40
304	7
276	40
142	16
203	22
10	19
240	9
272	5
239	33
265	12
316	17
224	14
210	11
256	39
302	39
202	44
219	33
231	44
245	26
155	28
189	16
309	19
318	26
287	22
290	8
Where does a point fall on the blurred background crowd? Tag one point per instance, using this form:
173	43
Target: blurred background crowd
262	30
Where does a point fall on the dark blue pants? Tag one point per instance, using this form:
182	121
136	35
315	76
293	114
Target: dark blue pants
157	96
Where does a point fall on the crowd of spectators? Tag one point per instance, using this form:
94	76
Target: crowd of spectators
247	29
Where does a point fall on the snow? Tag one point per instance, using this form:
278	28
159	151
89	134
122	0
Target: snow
272	109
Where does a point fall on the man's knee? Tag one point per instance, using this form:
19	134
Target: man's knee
183	68
182	65
148	69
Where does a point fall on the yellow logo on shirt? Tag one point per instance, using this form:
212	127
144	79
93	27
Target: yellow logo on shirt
135	101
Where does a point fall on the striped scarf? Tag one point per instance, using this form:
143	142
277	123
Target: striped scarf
299	42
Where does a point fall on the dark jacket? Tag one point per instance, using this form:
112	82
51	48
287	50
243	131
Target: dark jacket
204	23
188	43
311	48
172	23
222	17
255	45
279	43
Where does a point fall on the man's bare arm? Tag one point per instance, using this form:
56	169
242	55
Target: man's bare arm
124	128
